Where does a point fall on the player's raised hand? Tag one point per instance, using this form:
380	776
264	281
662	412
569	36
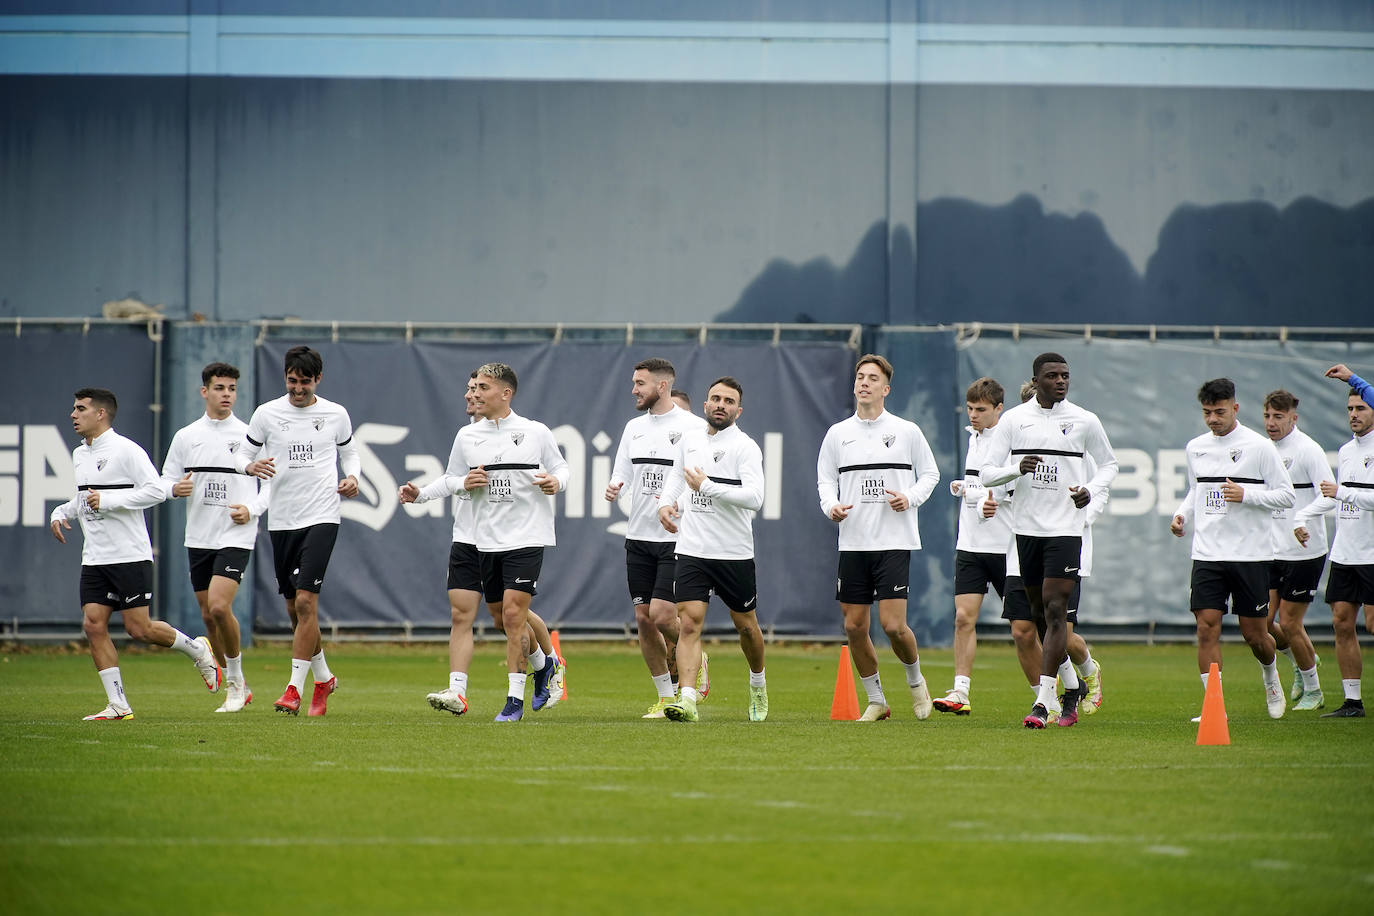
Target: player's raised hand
989	506
1340	371
183	487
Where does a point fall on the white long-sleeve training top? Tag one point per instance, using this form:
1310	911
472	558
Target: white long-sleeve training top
313	448
860	460
205	449
1353	542
1234	531
642	462
976	533
1091	513
1062	435
510	512
464	522
121	471
717	520
1306	464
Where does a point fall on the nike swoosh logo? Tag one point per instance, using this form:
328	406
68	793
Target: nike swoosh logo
899	588
231	569
1075	569
849	442
521	581
1027	425
637	436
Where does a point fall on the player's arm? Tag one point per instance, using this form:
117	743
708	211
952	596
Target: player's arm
555	475
147	491
449	482
1360	497
350	462
1357	384
998	468
828	478
622	471
246	459
927	471
1183	515
176	481
749	493
1104	456
1277	491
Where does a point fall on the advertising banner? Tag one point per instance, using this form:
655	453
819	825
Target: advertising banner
406	403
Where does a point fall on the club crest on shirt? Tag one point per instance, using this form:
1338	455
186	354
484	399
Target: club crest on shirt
674	437
1368	461
718	454
1065	427
100	464
233	446
318	423
1235	455
1288	464
889	439
517	438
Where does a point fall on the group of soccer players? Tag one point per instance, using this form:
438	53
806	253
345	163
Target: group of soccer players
1036	477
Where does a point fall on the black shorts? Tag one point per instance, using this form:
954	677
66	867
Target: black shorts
1246	584
649	570
974	572
1296	580
510	570
118	585
229	562
732	581
301	557
1053	558
866	576
1016	604
464	568
1350	584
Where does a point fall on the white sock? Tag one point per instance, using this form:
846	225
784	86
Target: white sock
756	679
690	694
319	668
233	668
913	673
1288	654
114	687
663	683
300	667
458	682
963	684
537	658
515	685
1035	689
1203	675
874	687
1088	668
1310	683
1045	695
1270	672
1351	688
1068	675
186	645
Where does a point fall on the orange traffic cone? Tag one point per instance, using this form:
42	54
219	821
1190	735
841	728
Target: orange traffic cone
845	706
553	636
1212	729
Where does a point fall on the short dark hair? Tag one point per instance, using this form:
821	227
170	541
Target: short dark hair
876	360
1045	358
657	365
679	393
1281	399
985	389
99	397
1216	390
304	361
501	372
217	370
728	382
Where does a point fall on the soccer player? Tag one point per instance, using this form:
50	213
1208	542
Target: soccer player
719	473
465	593
1235	482
643	460
873	471
304	441
1357	384
980	557
682	399
1351	580
512	467
222	512
115	482
1044	442
1297	568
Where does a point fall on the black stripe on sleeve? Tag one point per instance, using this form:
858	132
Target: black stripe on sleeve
510	467
666	462
252	441
970	472
1303	486
732	481
875	467
106	486
211	469
1357	485
1232	479
1046	451
345	442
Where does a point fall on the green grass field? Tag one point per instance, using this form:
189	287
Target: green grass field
387	806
